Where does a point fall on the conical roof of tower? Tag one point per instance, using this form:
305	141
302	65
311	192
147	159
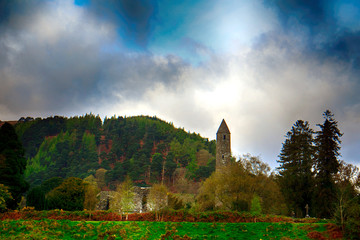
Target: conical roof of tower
223	127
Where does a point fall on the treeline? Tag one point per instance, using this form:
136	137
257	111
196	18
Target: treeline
147	149
86	155
312	176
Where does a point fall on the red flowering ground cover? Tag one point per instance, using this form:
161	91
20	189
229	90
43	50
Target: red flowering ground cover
332	232
167	216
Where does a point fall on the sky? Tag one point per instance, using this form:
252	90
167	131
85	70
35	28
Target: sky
259	64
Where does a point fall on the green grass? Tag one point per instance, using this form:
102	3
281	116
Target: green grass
66	229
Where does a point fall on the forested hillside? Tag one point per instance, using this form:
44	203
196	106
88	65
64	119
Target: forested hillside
147	149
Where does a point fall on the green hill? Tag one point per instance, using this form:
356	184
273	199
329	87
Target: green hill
145	148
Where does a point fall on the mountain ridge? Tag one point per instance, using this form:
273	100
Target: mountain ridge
146	148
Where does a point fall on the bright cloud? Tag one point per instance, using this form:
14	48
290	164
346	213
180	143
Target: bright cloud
261	67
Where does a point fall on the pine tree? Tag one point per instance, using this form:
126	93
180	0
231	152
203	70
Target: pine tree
12	164
296	161
327	165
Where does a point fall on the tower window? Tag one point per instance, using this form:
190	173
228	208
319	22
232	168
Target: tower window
224	137
223	157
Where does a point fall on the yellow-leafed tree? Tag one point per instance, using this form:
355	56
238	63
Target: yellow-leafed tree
123	199
157	199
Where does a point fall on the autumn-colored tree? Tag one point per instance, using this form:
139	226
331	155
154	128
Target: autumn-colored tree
347	208
157	199
230	188
205	200
5	196
233	187
100	177
91	191
175	201
123	200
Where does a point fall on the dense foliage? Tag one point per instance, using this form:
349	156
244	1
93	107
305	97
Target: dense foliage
311	174
71	159
150	150
241	186
123	199
145	148
326	165
296	177
69	195
308	167
12	165
5	196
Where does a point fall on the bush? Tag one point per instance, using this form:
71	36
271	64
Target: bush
5	196
255	205
69	195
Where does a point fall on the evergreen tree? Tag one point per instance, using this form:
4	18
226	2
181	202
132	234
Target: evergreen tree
157	165
12	164
170	165
36	198
327	165
296	161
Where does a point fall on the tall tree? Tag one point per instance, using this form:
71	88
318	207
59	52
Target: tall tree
91	192
295	171
12	164
123	200
157	199
326	165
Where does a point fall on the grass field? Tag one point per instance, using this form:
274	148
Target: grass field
66	229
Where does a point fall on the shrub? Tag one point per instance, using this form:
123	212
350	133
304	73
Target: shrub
255	205
5	196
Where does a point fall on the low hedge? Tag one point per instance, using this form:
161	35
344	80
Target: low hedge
164	215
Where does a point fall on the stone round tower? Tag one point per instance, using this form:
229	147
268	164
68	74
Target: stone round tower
223	145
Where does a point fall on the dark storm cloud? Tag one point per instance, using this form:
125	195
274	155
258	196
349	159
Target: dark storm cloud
322	25
132	17
309	12
56	63
10	8
44	81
